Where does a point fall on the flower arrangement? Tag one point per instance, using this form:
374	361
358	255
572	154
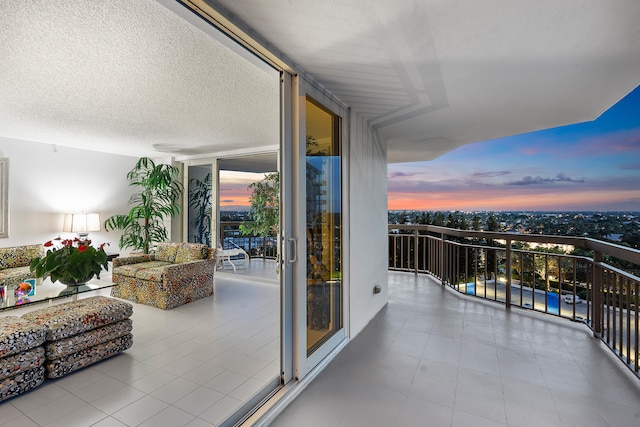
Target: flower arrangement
71	261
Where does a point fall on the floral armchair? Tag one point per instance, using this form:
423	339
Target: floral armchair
14	263
176	274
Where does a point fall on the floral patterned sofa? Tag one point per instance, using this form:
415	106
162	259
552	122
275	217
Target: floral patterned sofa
14	263
176	274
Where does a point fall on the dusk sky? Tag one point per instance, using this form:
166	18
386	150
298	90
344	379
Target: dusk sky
587	166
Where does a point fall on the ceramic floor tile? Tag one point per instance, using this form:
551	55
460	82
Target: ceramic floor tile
220	410
203	373
226	382
22	421
417	412
153	381
57	409
140	410
198	422
464	419
81	379
44	395
84	416
247	389
92	392
435	382
249	366
169	417
174	390
109	422
118	399
199	400
268	373
8	412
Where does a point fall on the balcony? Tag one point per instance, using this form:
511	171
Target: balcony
583	289
456	346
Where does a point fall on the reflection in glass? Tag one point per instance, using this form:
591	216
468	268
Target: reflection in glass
200	204
324	225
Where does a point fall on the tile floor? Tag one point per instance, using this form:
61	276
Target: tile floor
432	358
193	365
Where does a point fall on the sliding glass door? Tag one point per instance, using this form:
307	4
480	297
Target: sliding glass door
323	225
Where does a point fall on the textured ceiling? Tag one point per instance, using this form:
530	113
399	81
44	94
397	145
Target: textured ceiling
129	77
141	78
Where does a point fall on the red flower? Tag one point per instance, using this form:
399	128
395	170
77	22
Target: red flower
82	248
48	244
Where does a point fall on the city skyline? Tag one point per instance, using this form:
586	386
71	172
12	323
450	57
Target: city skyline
591	166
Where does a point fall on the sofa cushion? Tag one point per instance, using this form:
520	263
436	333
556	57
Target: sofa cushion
167	251
20	383
15	275
191	252
155	274
18	335
132	270
72	318
72	362
19	256
57	349
22	362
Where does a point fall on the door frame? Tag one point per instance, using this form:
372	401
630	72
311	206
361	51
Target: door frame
303	363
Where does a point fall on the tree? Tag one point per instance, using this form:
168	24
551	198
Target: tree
492	223
476	224
265	203
157	198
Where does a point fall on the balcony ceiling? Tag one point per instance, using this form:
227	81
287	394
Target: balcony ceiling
135	78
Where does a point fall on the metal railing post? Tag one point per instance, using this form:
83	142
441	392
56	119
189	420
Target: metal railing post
596	294
509	272
415	251
442	259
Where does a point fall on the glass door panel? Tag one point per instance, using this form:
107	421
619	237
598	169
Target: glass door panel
323	225
200	204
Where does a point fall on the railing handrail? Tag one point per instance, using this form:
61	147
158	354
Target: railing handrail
618	251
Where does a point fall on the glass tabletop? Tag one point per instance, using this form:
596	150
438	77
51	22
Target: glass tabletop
48	291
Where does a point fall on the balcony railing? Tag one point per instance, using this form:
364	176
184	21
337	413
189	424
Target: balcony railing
491	265
255	246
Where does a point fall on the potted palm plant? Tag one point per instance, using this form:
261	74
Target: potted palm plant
157	197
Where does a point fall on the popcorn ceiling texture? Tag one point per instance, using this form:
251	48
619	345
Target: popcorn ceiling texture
124	76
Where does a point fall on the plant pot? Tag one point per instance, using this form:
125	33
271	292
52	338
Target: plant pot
72	282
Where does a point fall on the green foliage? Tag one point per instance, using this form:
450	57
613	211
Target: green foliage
200	199
265	203
492	223
73	261
157	198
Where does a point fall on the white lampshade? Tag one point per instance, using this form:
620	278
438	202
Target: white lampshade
81	223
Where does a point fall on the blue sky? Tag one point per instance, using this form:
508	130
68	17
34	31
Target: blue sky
587	166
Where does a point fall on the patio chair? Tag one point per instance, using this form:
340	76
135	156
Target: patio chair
234	257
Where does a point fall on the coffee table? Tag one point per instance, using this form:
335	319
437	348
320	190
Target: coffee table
49	292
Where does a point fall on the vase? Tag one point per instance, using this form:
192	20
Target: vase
71	282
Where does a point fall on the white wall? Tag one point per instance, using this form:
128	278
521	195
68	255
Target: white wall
45	181
368	224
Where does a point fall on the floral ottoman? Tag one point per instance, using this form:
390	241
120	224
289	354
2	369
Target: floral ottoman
83	332
21	356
